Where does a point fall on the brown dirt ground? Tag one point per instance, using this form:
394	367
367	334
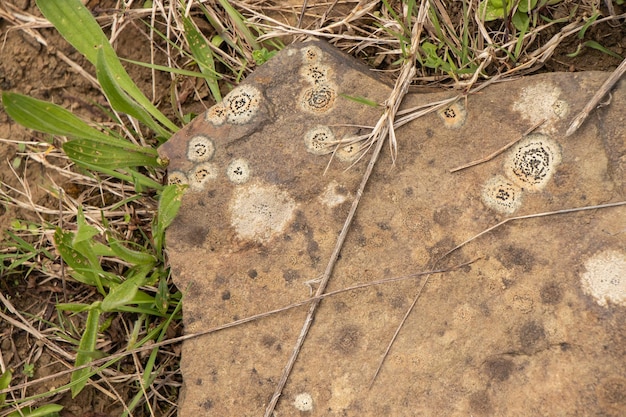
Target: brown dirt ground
30	68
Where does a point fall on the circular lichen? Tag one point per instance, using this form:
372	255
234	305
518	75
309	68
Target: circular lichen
201	174
318	99
177	177
453	116
311	54
501	195
315	74
238	171
217	114
319	140
200	148
605	277
349	152
532	162
303	402
259	212
242	104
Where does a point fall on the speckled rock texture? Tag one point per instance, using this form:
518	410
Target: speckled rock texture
533	327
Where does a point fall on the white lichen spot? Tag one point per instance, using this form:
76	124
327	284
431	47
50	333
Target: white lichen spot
242	104
318	99
532	162
349	152
238	171
560	108
177	177
605	277
311	54
303	402
501	195
259	212
541	101
453	116
319	140
334	195
217	114
315	74
200	149
201	174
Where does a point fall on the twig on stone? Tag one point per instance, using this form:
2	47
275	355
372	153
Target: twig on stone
383	129
606	87
445	255
499	151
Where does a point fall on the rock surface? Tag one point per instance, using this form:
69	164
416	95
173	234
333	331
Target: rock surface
533	327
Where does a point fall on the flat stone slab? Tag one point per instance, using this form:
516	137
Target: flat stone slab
534	326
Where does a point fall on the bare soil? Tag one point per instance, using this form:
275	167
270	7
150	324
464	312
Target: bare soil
30	68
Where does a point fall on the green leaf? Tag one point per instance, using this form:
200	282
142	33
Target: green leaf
48	410
53	119
5	381
169	203
133	177
84	232
524	7
83	268
521	21
594	45
86	350
203	56
124	293
73	307
117	97
106	156
491	9
131	256
76	24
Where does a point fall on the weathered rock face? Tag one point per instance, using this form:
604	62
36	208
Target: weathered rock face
534	327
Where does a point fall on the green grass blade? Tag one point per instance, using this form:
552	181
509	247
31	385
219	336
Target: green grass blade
48	410
124	293
119	100
169	203
240	23
203	56
133	177
131	256
86	350
63	241
106	156
76	24
5	381
53	119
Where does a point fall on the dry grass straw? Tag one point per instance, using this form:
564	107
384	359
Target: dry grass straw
364	29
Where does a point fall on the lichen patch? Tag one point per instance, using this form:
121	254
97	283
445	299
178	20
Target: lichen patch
200	174
319	140
316	74
217	114
532	162
200	149
242	104
349	152
259	212
238	171
501	195
605	277
303	402
454	115
541	101
334	195
311	54
318	99
177	177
